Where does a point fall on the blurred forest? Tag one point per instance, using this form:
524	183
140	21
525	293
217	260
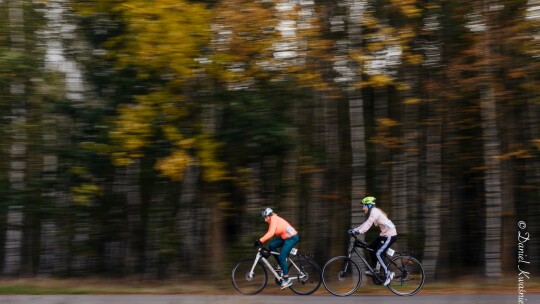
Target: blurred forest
143	138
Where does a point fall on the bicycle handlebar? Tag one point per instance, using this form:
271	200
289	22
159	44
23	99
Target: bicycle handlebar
358	242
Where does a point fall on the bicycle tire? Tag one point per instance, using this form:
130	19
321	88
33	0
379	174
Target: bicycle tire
246	284
409	275
309	281
341	276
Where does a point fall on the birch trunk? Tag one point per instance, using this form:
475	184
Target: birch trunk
52	255
492	181
49	226
18	149
492	185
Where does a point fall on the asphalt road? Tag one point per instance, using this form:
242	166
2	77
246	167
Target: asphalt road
265	299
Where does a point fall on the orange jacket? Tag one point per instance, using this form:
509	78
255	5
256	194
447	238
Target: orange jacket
280	227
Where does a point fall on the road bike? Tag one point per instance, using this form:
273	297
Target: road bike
342	276
250	276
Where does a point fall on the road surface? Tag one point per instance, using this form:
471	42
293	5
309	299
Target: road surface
266	299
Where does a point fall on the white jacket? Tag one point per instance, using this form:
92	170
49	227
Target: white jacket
378	218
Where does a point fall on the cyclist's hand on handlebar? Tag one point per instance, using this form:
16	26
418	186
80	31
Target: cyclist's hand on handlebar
353	232
257	243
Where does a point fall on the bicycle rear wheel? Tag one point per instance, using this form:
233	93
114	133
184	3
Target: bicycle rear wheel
409	275
247	282
307	276
341	276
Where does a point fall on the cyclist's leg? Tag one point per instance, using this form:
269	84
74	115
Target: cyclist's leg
375	245
274	245
288	245
381	251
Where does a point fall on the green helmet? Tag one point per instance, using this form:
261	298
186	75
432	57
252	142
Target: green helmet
368	200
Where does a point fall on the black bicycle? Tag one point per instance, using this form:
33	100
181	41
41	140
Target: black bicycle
342	275
250	276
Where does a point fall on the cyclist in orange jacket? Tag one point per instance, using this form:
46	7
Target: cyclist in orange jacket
288	237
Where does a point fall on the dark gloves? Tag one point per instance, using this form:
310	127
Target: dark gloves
258	243
353	232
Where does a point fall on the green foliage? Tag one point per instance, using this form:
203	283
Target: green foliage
256	126
15	63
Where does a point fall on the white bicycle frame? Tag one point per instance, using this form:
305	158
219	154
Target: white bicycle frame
260	257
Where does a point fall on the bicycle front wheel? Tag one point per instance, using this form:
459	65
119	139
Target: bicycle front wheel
306	276
409	275
341	276
245	280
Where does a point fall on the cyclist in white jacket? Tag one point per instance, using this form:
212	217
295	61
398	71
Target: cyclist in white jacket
386	238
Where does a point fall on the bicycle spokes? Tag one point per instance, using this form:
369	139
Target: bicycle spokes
249	277
409	275
306	275
341	276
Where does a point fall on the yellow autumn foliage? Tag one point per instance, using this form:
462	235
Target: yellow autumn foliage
174	165
379	80
83	194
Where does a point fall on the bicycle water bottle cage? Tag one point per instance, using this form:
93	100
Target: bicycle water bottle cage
265	252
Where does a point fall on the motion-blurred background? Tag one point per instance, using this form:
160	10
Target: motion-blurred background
143	138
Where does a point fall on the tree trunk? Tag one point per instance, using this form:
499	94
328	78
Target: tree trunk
492	182
153	234
52	252
49	226
18	149
134	217
382	152
432	214
355	15
492	185
188	223
399	196
291	184
408	196
356	116
332	172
